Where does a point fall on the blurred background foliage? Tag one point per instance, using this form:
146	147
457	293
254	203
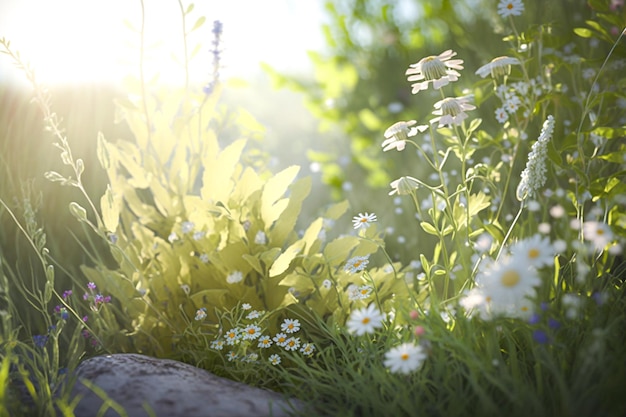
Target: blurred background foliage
359	89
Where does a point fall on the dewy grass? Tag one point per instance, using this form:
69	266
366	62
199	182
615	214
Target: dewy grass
514	308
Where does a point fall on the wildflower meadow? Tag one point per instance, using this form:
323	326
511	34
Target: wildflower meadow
485	277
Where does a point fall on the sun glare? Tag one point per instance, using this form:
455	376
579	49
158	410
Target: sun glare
73	41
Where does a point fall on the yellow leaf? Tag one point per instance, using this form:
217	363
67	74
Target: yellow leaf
281	264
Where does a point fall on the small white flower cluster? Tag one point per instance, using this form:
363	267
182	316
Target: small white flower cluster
534	175
518	96
506	287
251	334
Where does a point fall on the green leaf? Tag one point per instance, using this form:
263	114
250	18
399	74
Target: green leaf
281	264
198	23
110	208
217	180
254	263
189	8
583	32
429	228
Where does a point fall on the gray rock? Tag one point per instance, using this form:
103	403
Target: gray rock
170	389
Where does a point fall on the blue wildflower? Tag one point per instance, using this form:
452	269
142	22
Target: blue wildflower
40	340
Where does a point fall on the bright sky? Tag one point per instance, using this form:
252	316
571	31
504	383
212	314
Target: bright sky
87	40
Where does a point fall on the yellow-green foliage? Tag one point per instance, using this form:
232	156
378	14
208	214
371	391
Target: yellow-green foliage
182	214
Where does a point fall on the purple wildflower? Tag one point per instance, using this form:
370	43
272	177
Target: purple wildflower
40	340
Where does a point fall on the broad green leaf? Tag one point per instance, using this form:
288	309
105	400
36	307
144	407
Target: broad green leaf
110	207
429	228
284	226
198	23
254	263
583	32
281	264
217	181
210	298
336	210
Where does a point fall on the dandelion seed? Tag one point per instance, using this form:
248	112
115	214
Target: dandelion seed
440	70
508	8
356	264
498	67
290	326
274	359
363	221
365	320
405	358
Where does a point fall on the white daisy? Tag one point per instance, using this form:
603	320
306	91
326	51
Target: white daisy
536	251
451	111
251	332
507	283
307	349
356	264
232	336
280	339
363	220
508	8
290	326
217	344
498	67
293	343
598	233
201	314
438	69
274	359
264	342
398	133
405	358
365	320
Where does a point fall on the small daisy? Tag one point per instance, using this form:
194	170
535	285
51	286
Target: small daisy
508	8
405	358
365	320
438	69
290	326
506	283
217	344
251	332
598	233
307	349
253	315
204	258
511	105
280	339
404	185
536	251
231	356
356	264
198	235
172	237
498	67
234	277
201	313
327	284
451	111
264	342
398	133
246	306
363	220
293	343
232	336
274	359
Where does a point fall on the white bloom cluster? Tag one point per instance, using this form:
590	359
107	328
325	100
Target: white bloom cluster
534	175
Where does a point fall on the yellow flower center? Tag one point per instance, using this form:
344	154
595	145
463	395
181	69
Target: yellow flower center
404	356
510	278
365	320
599	232
533	253
251	331
509	6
